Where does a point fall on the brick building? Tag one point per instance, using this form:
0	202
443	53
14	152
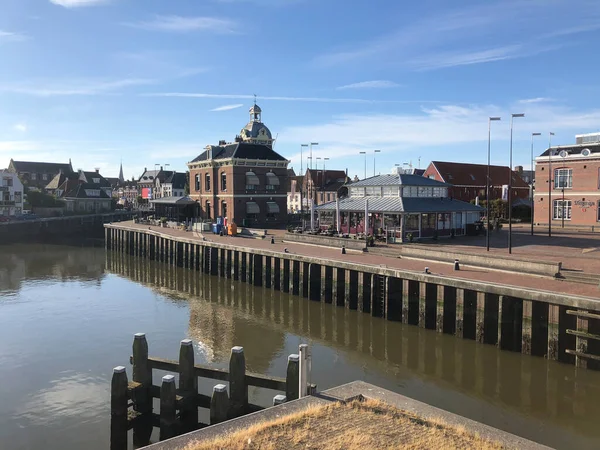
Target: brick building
245	181
573	172
323	185
469	180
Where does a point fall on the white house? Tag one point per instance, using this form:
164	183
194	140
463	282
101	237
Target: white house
11	194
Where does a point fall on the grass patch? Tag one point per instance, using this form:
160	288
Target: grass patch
357	425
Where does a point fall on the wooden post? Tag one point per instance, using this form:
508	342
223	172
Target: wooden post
292	380
168	412
219	404
142	373
188	386
279	399
118	409
237	382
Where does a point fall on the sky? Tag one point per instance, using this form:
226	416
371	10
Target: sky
155	81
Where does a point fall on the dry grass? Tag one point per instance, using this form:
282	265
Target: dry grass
358	425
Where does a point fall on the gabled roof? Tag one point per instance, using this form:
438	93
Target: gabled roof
242	150
464	174
40	167
84	176
397	180
77	189
149	176
177	179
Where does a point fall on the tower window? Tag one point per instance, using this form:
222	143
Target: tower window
207	182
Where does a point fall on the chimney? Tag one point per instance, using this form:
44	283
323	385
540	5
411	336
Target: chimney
519	169
208	152
97	169
222	142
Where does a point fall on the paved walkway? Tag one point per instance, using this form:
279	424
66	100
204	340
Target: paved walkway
436	268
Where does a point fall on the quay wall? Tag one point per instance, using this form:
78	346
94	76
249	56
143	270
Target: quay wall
327	241
538	323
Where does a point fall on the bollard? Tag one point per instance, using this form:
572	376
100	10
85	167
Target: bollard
237	382
292	380
304	370
343	249
279	399
142	401
168	412
272	239
188	386
427	270
456	265
118	409
219	404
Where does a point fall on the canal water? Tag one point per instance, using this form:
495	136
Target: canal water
68	315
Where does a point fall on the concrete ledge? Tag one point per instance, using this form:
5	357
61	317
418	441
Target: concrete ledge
326	241
349	392
535	267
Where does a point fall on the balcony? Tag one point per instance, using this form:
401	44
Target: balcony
7	203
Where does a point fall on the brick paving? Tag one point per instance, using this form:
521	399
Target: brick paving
568	253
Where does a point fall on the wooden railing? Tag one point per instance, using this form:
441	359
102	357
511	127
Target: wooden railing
132	401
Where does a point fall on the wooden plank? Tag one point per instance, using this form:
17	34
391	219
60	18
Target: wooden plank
583	314
584	335
582	355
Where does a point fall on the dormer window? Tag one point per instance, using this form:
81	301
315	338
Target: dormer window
96	180
585	152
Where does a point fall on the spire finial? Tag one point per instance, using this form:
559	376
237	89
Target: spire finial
254	99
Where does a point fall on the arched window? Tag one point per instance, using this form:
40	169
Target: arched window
223	181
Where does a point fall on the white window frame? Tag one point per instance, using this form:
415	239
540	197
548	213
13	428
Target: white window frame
559	175
558	207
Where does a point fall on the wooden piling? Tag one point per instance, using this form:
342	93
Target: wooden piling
168	411
188	386
237	382
292	381
219	404
118	409
142	373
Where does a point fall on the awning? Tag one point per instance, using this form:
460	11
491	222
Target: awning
252	208
272	179
251	178
272	208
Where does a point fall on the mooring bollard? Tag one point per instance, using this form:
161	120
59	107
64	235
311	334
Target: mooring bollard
343	249
237	382
118	409
279	399
292	380
272	239
456	265
188	385
219	404
427	270
168	412
142	374
304	379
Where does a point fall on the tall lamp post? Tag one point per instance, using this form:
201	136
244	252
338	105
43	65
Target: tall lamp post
310	149
487	184
550	183
302	186
532	178
365	153
318	187
375	153
324	172
510	177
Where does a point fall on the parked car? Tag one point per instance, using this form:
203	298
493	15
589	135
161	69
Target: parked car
26	217
5	219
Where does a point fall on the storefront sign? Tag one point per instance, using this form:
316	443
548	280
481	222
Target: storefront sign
584	204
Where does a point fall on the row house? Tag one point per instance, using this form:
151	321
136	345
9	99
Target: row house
36	175
11	194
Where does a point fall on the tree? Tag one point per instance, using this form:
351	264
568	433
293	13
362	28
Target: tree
41	199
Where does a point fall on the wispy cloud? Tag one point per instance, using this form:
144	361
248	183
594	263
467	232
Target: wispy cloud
186	24
228	107
379	84
73	87
279	98
535	100
162	64
9	36
78	3
20	127
450	38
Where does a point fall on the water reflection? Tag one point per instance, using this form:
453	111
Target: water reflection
543	400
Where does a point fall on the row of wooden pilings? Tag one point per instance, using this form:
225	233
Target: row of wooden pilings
132	401
532	326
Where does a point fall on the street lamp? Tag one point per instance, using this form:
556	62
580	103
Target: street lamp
550	183
487	184
375	153
365	153
532	178
310	147
510	177
302	186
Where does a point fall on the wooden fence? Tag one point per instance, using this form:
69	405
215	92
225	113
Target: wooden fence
132	401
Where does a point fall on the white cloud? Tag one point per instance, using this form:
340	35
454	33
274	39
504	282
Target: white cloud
20	127
73	87
9	36
369	85
78	3
186	24
536	100
228	107
279	98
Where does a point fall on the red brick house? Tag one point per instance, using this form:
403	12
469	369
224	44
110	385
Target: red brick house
323	185
245	181
469	180
574	175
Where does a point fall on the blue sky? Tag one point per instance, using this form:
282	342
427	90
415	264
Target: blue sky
154	81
